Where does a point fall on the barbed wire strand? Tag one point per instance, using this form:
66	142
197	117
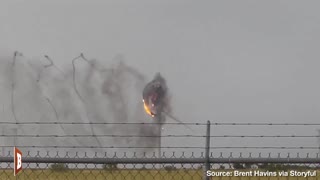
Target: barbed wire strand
96	123
168	123
265	124
147	136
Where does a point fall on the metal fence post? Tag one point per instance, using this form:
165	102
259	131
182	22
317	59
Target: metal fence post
207	152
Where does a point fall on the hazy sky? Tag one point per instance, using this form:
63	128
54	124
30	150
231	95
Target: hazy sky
225	61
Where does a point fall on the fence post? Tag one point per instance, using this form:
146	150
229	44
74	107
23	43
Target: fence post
207	152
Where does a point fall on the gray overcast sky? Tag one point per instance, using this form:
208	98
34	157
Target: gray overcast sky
225	61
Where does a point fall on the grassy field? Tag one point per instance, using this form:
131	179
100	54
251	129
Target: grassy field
96	174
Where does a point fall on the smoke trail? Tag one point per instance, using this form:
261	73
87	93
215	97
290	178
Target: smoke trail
89	91
16	53
118	85
78	93
108	93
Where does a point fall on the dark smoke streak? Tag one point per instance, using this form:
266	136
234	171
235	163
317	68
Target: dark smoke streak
52	64
13	86
114	88
74	78
77	92
176	119
55	111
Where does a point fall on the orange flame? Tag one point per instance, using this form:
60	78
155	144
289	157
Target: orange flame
146	108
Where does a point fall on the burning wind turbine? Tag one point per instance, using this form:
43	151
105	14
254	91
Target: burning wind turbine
156	99
156	104
155	96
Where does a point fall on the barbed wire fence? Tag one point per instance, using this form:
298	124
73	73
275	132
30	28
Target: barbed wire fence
187	161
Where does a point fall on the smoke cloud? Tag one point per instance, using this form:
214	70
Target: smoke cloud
90	91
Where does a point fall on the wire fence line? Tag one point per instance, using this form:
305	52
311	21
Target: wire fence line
146	136
265	124
46	164
163	123
99	123
225	136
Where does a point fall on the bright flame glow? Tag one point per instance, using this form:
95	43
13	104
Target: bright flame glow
146	108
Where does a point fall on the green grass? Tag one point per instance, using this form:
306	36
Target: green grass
94	174
100	174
